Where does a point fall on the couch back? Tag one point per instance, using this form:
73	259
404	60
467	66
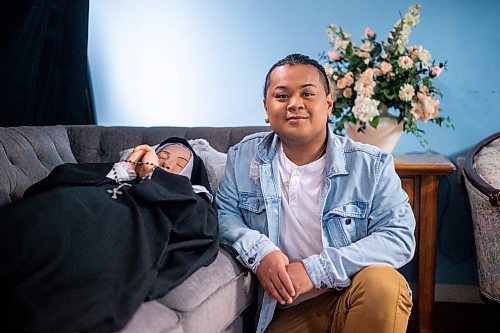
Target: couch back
91	143
29	153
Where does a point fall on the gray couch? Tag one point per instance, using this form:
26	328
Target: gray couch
216	298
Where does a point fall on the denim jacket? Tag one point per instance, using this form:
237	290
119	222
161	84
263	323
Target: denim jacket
366	219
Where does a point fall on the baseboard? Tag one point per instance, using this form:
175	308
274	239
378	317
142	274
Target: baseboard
453	293
457	293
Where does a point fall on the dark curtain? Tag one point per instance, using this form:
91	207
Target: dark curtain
44	75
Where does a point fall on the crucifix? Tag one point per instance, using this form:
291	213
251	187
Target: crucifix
116	190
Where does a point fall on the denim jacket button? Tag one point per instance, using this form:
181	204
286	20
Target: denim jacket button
348	221
251	261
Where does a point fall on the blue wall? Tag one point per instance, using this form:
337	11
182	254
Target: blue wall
202	63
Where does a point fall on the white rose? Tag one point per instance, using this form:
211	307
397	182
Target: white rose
340	44
364	87
365	109
424	56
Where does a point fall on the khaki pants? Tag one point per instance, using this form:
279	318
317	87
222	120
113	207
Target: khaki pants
377	301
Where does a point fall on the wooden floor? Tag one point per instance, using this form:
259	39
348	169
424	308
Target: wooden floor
463	318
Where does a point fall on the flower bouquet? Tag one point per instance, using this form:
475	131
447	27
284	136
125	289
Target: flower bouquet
383	79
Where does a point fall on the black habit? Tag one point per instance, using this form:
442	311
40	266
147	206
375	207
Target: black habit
72	259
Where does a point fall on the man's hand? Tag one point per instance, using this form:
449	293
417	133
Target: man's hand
274	278
300	279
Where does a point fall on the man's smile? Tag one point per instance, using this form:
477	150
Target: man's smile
295	119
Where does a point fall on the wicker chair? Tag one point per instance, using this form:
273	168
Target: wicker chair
482	180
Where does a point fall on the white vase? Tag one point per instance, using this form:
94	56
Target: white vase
385	136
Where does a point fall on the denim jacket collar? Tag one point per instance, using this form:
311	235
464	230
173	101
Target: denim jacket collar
335	154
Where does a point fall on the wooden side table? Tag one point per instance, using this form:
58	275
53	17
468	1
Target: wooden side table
419	175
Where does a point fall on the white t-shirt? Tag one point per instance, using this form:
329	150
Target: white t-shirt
300	225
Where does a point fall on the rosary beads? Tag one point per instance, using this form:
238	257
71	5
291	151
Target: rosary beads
116	191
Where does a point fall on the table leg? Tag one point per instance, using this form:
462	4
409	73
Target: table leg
427	252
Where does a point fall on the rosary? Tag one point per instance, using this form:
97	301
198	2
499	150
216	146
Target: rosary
115	191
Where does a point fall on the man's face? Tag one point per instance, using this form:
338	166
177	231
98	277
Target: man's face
297	105
174	158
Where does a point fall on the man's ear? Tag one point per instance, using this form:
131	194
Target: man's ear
265	105
329	101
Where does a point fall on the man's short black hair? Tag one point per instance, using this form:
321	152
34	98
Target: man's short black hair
299	59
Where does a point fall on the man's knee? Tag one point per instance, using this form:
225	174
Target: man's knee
378	300
380	281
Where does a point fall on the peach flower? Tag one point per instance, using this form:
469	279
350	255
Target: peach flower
347	93
385	67
345	81
425	108
405	62
363	54
366	47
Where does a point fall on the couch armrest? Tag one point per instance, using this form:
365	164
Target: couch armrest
206	282
211	298
28	154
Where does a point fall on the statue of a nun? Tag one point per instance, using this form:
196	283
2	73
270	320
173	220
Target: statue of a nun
88	244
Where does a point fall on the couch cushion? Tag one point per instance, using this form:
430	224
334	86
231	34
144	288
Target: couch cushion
487	163
28	154
213	296
215	161
152	317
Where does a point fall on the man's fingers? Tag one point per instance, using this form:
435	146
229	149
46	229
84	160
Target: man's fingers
281	289
273	292
287	283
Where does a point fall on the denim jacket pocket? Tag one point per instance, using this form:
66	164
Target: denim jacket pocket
253	209
347	223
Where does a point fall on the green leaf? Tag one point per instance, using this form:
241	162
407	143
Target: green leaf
374	122
377	49
357	64
348	50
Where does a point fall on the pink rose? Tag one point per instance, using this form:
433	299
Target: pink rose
369	33
436	71
334	55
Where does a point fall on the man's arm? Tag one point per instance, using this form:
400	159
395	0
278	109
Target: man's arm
390	240
255	250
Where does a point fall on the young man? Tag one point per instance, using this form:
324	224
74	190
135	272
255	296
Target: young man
322	221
